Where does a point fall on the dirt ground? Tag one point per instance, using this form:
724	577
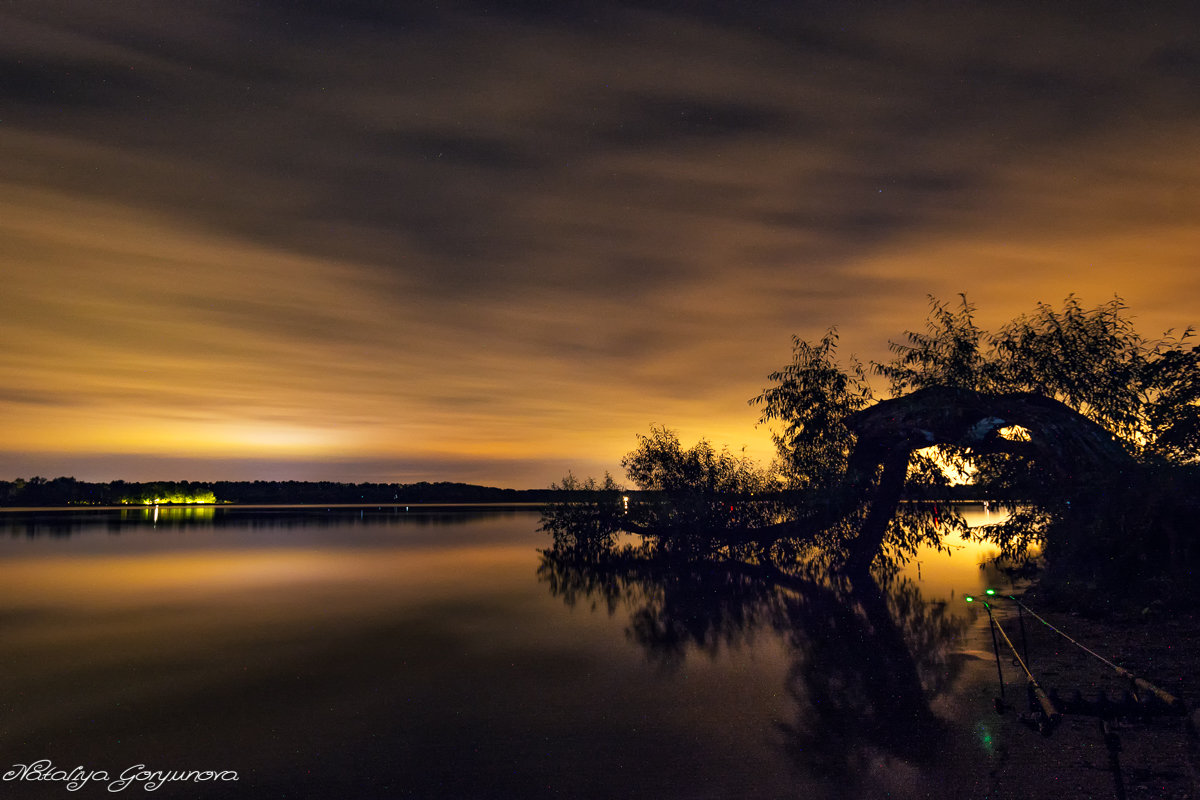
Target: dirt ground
1156	755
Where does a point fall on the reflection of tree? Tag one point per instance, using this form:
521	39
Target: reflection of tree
862	651
867	653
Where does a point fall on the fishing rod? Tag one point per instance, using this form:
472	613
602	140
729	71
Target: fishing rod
1109	734
1166	697
1051	714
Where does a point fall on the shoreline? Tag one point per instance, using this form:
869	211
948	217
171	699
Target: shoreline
1009	758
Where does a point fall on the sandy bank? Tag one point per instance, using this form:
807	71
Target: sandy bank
1008	758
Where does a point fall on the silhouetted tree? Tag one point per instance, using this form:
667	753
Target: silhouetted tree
808	407
586	515
1061	410
1067	414
695	489
1145	392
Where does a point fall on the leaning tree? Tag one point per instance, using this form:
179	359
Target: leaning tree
1089	429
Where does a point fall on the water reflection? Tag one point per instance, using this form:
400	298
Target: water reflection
370	653
69	522
317	656
866	653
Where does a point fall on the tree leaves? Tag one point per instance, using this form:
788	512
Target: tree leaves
810	402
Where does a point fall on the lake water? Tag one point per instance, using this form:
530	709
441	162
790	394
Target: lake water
385	653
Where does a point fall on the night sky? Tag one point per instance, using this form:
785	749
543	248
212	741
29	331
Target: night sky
453	241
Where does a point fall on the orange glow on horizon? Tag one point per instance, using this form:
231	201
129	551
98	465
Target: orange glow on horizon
356	276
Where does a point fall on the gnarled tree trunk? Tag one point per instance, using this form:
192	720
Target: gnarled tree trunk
1063	441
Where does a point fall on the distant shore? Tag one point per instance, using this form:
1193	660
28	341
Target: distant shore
40	492
274	506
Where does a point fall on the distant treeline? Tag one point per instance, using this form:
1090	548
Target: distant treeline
39	491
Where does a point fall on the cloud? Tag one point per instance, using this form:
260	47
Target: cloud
537	228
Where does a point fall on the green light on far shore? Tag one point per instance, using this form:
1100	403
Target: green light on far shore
970	599
205	498
989	591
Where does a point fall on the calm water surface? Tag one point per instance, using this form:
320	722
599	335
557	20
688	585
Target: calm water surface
391	654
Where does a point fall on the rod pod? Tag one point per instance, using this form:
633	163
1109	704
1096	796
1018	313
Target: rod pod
1050	714
1171	701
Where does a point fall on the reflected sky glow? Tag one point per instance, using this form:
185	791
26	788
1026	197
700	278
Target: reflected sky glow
286	576
417	649
955	572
